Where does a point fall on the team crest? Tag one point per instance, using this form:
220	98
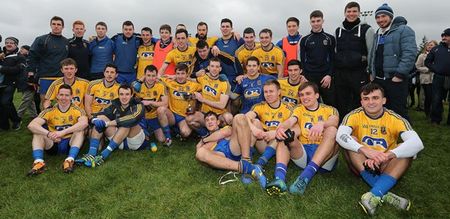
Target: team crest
272	58
70	118
383	130
216	85
77	91
111	95
320	118
325	42
258	82
155	93
280	115
188	88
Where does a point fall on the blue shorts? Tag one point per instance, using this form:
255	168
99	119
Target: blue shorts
310	151
126	77
60	148
178	118
224	147
44	84
149	125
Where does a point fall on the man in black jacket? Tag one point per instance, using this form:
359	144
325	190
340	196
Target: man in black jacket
317	57
79	49
438	62
353	42
11	66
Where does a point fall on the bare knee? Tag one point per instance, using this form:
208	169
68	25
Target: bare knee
240	120
201	154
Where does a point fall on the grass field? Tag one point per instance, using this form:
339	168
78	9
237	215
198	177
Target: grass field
172	184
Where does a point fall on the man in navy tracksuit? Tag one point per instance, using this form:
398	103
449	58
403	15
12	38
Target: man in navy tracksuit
126	45
438	62
317	55
101	51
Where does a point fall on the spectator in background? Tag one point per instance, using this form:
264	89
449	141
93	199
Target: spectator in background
26	84
426	76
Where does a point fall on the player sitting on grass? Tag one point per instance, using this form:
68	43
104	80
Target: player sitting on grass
313	148
369	135
119	122
264	119
227	148
57	128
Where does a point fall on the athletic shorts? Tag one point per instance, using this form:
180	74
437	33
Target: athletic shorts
224	147
134	143
59	148
126	77
149	125
309	150
178	118
44	84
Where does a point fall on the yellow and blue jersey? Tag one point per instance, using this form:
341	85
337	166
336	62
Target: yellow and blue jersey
380	133
307	118
175	92
153	93
251	91
210	41
176	56
211	90
289	92
102	95
56	120
272	117
242	53
79	88
145	56
269	59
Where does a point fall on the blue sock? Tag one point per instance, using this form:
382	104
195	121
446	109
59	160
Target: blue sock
246	167
280	171
111	147
93	146
202	132
38	154
166	131
383	185
309	171
369	178
73	152
269	152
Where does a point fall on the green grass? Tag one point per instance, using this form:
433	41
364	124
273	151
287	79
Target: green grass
172	184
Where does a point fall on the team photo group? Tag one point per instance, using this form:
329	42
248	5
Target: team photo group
244	98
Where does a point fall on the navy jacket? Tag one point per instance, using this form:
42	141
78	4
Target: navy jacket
46	53
438	60
317	53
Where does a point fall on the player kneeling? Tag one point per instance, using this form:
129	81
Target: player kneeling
57	128
227	148
313	148
120	123
370	134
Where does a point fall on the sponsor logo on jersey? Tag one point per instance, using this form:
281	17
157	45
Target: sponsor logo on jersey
374	142
272	123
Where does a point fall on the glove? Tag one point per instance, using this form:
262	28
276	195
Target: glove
99	124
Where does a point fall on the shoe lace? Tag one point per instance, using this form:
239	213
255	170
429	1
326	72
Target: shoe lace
38	165
300	184
375	201
392	200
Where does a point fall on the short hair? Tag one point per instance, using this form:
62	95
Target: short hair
214	59
180	25
65	86
201	44
226	20
272	82
57	18
181	31
371	87
165	27
249	30
201	23
150	68
293	19
295	62
252	58
211	113
68	61
101	23
309	84
316	13
127	23
126	87
77	22
110	65
148	29
352	5
181	67
266	30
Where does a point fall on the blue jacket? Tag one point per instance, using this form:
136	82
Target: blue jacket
400	50
101	52
125	52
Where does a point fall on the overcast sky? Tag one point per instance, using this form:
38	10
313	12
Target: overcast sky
27	19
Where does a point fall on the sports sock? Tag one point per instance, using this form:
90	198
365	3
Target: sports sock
245	167
166	131
202	132
108	150
280	171
38	155
93	146
268	153
309	171
383	185
73	152
369	178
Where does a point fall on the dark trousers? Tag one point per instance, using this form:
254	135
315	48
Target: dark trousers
326	94
396	94
7	109
348	83
440	89
427	90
